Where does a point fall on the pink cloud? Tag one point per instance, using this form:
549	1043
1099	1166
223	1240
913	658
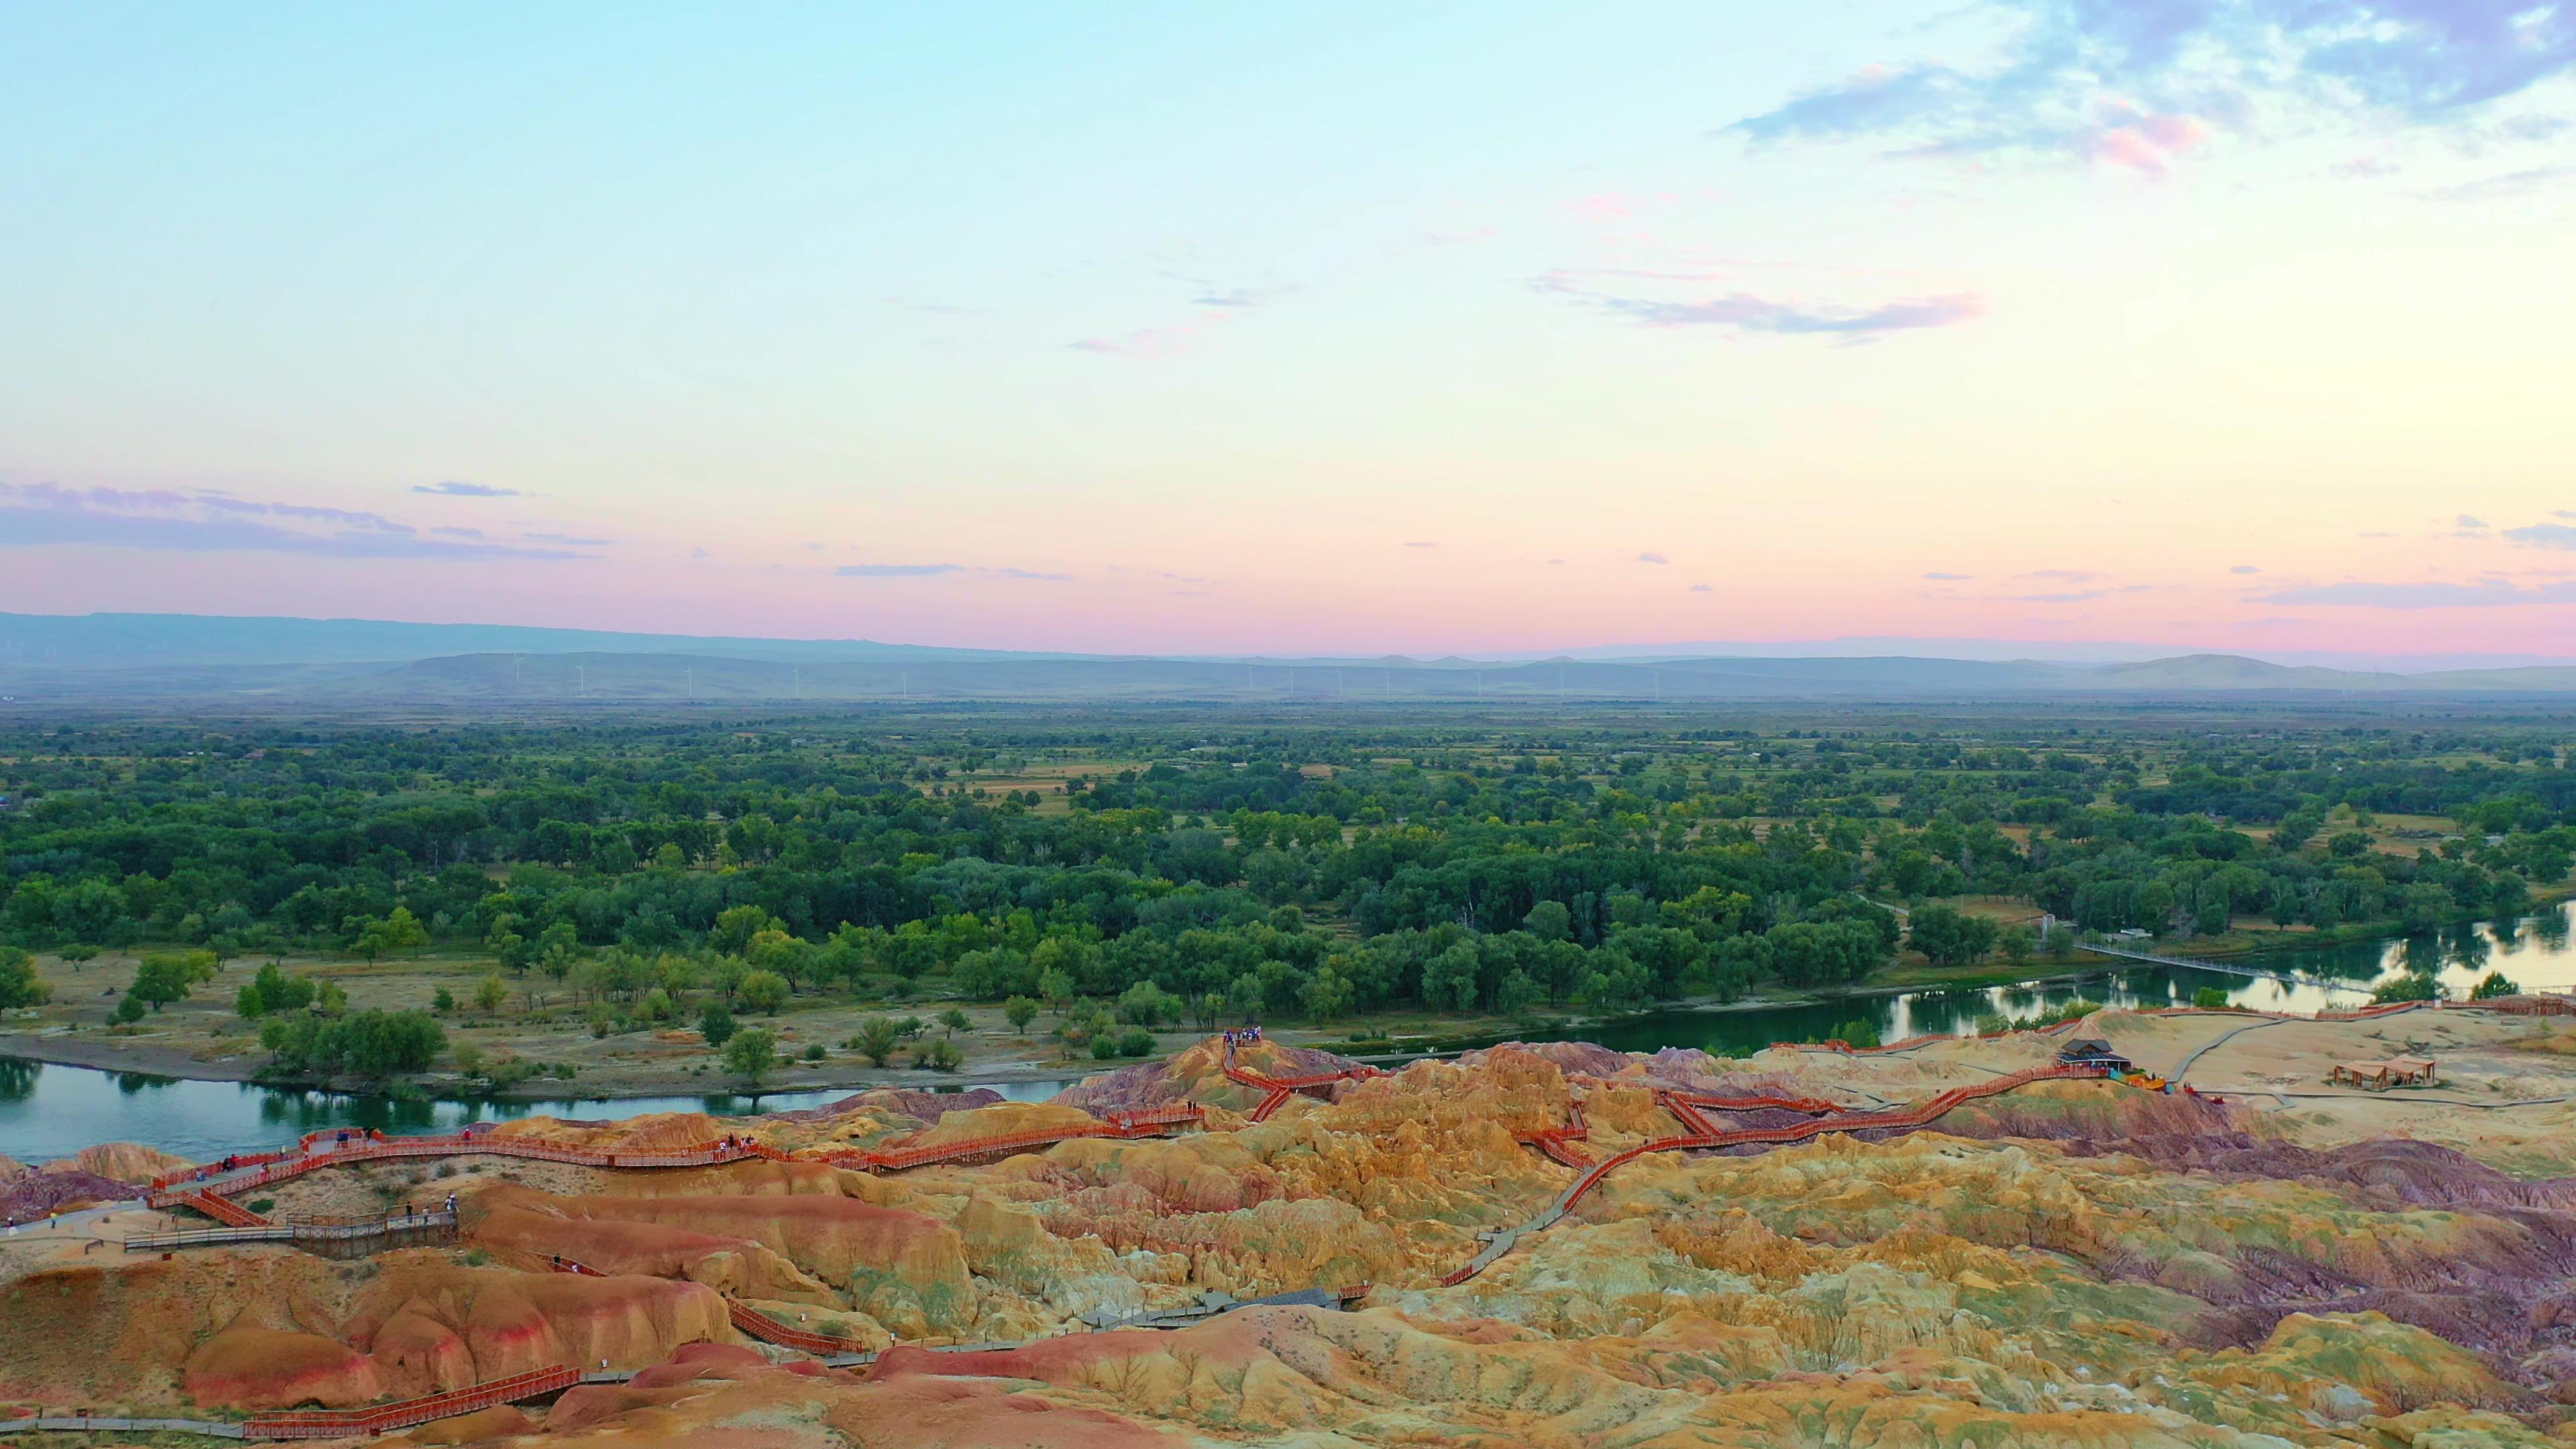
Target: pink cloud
2148	144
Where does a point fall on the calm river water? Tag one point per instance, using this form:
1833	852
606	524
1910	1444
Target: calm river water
53	1111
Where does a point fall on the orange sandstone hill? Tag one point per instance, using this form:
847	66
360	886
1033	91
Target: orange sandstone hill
2051	1262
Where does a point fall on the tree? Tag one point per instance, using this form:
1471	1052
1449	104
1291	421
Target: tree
75	954
19	985
1947	938
164	977
1056	985
1145	1004
1020	1011
751	1055
716	1024
735	926
2017	941
273	991
372	1044
2060	942
507	945
764	991
955	1020
780	954
129	1009
443	1002
398	932
2493	985
1326	994
1549	921
943	1056
876	1040
2413	986
2210	998
490	992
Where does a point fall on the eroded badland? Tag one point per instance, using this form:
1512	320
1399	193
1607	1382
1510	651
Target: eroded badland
2053	1259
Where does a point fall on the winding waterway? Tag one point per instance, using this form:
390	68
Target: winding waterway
49	1111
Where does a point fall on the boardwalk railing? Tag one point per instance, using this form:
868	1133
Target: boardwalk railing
403	1414
1906	1119
1556	1141
207	1188
332	1231
1280	1089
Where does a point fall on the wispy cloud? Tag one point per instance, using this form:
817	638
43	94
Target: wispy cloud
2245	569
1149	341
1746	313
567	540
2071	576
1699	588
460	532
2486	593
454	488
1420	543
2509	184
2546	535
1941	578
2081	596
1652	558
2135	83
46	513
2470	520
896	571
933	570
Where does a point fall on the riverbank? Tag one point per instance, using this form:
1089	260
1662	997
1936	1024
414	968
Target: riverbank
162	1060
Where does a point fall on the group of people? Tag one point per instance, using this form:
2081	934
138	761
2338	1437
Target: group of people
1242	1036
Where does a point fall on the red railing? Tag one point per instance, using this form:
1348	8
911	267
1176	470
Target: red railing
761	1326
403	1414
1553	1140
1919	1115
1280	1089
1688	1107
176	1189
230	1214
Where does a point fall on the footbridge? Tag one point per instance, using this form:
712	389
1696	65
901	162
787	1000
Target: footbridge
2232	968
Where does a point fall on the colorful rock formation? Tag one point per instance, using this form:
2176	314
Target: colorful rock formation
2069	1262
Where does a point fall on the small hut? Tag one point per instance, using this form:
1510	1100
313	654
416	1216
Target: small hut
2093	1051
2380	1076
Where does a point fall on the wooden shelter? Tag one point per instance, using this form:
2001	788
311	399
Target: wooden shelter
2093	1051
2380	1076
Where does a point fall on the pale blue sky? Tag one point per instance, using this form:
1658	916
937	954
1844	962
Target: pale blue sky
1172	328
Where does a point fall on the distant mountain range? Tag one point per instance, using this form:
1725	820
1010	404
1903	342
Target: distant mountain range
104	658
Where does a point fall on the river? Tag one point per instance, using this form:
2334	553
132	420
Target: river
49	1111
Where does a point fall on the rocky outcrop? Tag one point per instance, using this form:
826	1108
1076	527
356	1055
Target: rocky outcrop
2072	1263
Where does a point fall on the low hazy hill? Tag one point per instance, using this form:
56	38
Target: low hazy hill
115	641
177	659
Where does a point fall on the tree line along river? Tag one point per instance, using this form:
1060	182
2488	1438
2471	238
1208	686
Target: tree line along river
50	1111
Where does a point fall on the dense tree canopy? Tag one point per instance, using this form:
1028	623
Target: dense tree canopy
1311	865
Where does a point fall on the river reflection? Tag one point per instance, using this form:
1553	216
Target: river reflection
2534	952
49	1111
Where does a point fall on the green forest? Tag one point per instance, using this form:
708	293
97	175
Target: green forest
1197	867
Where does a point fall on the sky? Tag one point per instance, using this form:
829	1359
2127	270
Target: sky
1333	329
